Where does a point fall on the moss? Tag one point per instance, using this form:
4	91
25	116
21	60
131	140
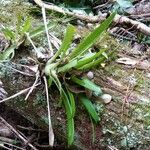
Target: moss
39	101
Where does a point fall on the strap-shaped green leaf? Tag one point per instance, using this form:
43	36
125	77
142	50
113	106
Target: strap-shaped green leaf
90	108
90	39
95	63
70	120
72	102
66	42
87	84
40	30
92	64
26	26
9	34
70	129
68	38
56	80
87	60
68	66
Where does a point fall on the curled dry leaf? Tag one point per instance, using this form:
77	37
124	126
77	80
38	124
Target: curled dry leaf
127	61
139	64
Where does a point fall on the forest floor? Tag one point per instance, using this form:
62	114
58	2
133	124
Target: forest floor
125	122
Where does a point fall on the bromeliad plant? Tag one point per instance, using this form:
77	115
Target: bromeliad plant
66	61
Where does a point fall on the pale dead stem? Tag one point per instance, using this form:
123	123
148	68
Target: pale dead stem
46	29
1	145
118	18
67	12
16	70
17	94
17	134
138	25
33	86
51	133
28	37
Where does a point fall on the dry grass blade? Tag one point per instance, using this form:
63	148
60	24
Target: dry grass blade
14	146
46	29
1	145
28	37
51	133
17	133
33	86
17	94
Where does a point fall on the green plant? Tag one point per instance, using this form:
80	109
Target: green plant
64	62
18	35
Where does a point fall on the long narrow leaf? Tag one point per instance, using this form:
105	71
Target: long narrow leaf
95	63
70	120
89	40
66	104
92	64
90	108
9	34
68	66
87	84
72	102
40	30
66	42
56	80
85	61
26	25
70	129
68	38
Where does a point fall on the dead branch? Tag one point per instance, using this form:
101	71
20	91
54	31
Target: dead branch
138	25
118	18
17	94
17	133
67	12
12	145
33	86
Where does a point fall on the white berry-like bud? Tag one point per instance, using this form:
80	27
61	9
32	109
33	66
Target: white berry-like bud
90	75
106	98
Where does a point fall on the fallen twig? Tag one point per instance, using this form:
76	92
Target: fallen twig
118	18
1	145
30	129
33	86
14	146
67	12
138	25
17	94
16	70
17	133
